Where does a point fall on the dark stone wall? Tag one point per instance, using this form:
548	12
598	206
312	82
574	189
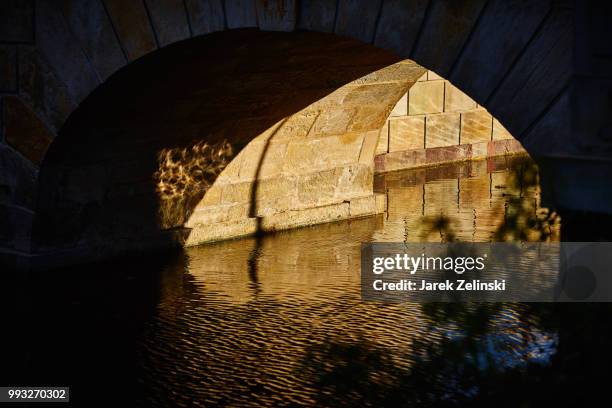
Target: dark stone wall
516	57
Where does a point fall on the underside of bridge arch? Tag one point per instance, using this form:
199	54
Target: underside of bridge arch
218	137
540	67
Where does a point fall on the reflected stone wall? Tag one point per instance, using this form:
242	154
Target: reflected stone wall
492	200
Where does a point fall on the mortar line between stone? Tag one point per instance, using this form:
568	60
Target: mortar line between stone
188	16
112	24
460	123
547	109
419	35
467	40
85	54
148	12
377	20
17	72
515	61
224	7
33	21
336	16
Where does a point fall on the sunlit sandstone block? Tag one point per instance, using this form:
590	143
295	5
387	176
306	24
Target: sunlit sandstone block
368	147
426	97
455	100
442	130
401	107
362	206
334	185
400	160
476	126
447	154
322	153
500	132
355	208
263	160
373	94
408	159
406	133
504	147
383	139
480	150
406	69
432	76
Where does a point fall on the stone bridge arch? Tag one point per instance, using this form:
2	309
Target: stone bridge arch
280	130
514	57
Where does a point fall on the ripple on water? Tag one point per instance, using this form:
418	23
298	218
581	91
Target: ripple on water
279	321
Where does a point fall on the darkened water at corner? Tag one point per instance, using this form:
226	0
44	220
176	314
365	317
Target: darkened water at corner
278	321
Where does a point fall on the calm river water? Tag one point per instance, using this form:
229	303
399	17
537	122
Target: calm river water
278	321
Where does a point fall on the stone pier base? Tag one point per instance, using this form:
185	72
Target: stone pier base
355	208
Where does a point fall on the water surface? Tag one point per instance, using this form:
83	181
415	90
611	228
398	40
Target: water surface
278	320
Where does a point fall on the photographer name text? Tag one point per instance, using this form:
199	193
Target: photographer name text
447	285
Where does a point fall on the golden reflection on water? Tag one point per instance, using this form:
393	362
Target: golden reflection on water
261	321
424	205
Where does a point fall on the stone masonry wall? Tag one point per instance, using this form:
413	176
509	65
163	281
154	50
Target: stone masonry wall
23	135
311	167
435	122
